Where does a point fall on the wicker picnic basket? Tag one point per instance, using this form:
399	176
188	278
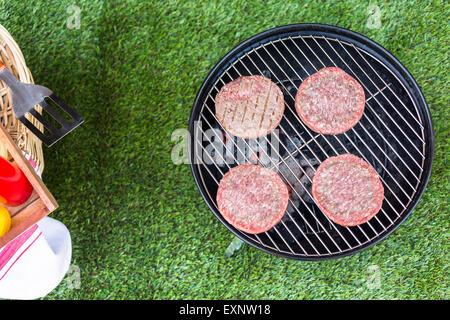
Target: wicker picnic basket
12	58
15	140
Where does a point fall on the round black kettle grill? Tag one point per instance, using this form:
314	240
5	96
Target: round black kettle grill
395	135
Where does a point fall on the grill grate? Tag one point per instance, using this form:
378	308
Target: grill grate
390	135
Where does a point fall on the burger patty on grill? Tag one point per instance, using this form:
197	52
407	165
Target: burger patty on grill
347	189
252	198
330	101
250	106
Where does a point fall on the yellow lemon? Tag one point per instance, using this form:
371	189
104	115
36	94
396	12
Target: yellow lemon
5	221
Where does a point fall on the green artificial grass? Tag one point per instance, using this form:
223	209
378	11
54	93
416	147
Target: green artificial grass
139	227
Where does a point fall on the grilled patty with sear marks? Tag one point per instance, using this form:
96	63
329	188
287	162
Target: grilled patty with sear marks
250	106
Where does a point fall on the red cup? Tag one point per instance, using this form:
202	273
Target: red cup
15	188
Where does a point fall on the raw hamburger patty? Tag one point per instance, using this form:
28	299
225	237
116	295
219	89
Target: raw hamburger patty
250	106
347	189
330	101
252	198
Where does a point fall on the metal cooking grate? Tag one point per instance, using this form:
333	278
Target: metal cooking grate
391	136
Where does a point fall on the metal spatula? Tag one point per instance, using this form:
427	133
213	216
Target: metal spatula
26	96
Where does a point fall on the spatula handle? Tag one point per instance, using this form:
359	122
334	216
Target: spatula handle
7	77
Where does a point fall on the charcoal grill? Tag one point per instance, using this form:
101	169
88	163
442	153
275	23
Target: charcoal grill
395	135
